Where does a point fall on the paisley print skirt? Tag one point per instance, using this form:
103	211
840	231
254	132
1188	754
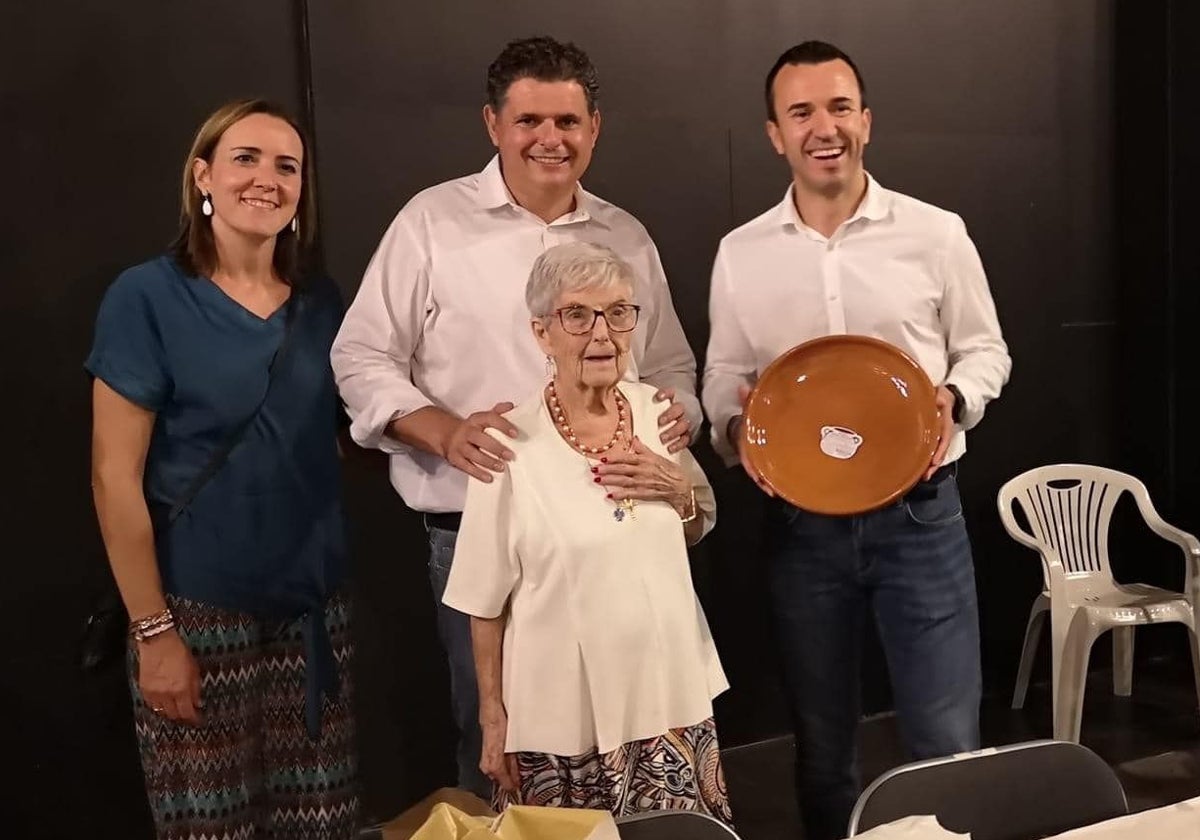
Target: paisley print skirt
680	769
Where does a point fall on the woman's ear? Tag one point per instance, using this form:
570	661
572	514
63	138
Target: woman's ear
542	334
200	174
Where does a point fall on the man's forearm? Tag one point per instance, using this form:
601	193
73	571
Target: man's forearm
428	429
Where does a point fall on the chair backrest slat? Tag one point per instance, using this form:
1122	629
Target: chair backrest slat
1068	508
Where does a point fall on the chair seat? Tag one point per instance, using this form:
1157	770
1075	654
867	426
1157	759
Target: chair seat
1136	603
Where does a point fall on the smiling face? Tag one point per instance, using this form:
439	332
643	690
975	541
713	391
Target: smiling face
820	126
544	134
254	178
597	359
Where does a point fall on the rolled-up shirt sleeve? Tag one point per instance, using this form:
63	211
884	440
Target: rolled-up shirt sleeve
485	568
977	355
127	351
730	361
668	361
372	354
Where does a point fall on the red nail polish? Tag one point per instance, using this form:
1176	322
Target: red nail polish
595	469
597	479
608	495
603	460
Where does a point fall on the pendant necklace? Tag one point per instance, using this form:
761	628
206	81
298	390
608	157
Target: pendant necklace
624	507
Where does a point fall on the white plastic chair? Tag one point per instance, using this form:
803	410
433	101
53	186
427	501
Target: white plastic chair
1068	507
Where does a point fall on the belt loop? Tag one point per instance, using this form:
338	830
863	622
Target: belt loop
443	521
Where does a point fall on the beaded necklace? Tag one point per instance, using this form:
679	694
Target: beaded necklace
624	506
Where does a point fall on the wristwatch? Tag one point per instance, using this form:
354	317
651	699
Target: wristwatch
956	413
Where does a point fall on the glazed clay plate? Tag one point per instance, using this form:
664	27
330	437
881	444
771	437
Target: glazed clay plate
842	424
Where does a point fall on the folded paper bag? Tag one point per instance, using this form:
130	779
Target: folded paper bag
519	822
405	825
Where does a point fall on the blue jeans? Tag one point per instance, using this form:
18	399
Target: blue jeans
455	630
910	565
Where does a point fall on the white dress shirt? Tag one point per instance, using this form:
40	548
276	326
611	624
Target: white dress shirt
606	642
899	270
440	319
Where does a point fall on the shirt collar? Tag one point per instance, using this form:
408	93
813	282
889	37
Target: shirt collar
493	193
875	205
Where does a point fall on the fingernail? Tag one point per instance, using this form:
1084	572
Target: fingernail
597	479
603	460
608	495
595	469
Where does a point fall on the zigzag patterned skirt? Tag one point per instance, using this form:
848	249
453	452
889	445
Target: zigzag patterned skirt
251	771
678	770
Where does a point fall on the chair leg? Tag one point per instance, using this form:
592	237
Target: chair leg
1033	635
1122	649
1073	645
1194	644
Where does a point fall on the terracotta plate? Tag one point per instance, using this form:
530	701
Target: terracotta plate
842	424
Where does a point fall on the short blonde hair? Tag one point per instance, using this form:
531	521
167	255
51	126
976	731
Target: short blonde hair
194	248
572	267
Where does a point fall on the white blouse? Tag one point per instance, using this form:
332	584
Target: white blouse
606	642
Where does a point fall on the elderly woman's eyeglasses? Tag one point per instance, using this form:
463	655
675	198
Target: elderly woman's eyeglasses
579	320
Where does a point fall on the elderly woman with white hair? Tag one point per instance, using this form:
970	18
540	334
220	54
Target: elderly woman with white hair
595	664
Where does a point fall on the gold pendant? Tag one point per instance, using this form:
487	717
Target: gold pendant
625	506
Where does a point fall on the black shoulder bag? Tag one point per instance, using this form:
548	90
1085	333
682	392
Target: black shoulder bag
107	626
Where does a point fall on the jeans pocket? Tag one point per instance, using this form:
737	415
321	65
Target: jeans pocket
441	551
943	507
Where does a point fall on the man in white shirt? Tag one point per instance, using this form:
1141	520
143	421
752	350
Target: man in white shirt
437	345
843	255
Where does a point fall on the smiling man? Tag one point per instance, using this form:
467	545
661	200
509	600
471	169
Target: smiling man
436	346
842	254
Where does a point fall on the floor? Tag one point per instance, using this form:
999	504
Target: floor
1152	739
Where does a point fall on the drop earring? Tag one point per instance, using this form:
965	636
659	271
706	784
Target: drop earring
551	367
206	206
295	224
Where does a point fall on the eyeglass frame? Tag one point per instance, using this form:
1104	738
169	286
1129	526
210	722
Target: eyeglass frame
596	314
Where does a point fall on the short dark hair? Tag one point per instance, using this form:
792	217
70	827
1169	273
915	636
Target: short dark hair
546	60
810	52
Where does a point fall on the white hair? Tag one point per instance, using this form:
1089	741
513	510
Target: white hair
572	267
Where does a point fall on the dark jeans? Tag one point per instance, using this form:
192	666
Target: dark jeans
910	565
455	629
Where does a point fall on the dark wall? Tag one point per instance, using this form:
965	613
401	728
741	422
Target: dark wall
1002	112
1157	82
99	104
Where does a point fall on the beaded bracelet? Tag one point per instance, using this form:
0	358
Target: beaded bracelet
152	625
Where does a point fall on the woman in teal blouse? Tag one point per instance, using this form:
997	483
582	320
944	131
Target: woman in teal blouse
216	482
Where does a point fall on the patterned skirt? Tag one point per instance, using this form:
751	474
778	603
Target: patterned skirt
251	770
678	770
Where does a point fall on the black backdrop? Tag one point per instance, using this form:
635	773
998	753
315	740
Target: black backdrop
1048	126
